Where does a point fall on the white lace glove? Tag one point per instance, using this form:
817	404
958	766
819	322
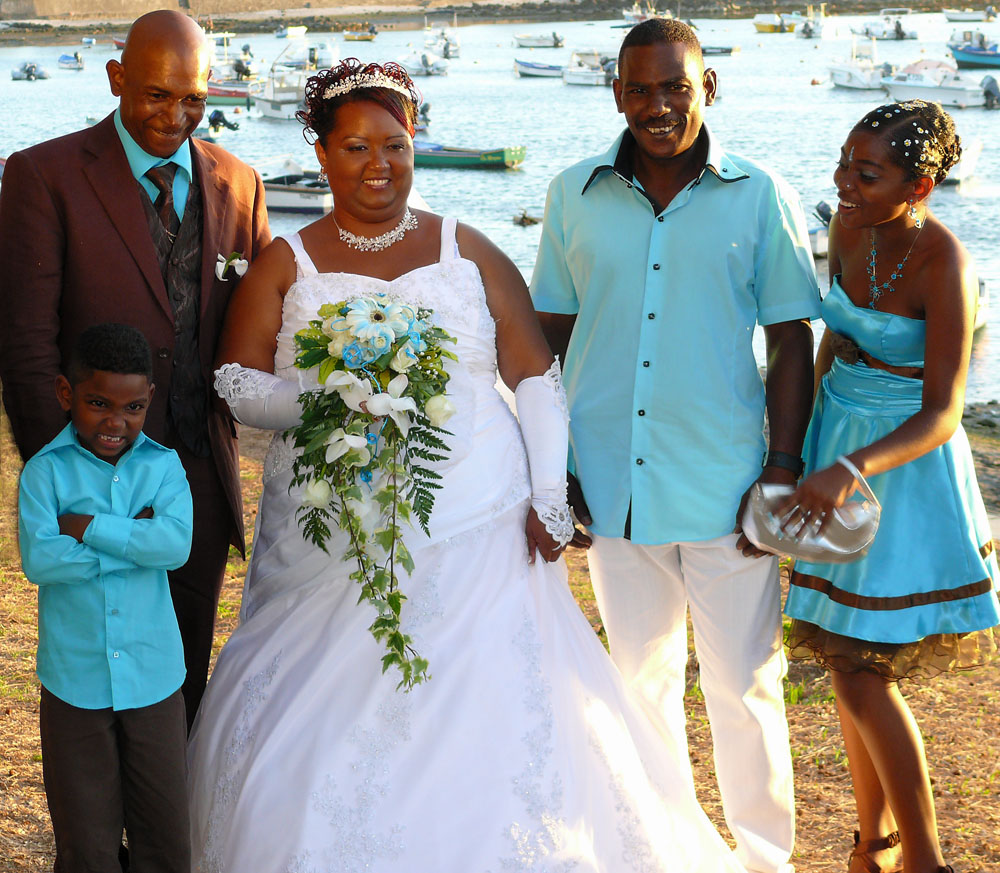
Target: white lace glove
259	399
544	419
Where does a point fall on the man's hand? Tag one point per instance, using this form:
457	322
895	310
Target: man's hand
74	525
770	475
145	513
574	496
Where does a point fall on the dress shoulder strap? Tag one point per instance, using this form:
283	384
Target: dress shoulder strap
303	263
449	245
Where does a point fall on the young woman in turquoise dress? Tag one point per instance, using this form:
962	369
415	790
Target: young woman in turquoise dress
891	374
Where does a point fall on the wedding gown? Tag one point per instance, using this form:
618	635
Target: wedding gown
524	751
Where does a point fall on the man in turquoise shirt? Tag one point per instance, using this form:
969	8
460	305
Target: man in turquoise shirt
657	260
104	513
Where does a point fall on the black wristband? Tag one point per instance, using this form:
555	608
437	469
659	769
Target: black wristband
784	460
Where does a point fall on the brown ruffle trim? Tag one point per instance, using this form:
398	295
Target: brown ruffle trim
918	661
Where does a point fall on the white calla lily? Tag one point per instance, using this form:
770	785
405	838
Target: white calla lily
340	443
391	402
353	391
220	269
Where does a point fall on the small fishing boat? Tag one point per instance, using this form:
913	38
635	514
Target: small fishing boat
934	80
545	40
719	49
70	62
283	94
531	69
813	23
29	71
637	13
88	41
360	35
892	23
289	188
525	220
861	71
443	43
774	22
233	93
969	14
118	42
291	31
972	50
590	68
301	55
424	63
428	154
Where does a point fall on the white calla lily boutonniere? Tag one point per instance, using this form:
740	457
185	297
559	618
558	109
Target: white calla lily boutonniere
236	260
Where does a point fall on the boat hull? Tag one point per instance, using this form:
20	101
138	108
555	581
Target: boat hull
856	79
960	98
585	76
457	158
538	42
530	70
976	59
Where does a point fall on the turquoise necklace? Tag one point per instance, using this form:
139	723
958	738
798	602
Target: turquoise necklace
874	289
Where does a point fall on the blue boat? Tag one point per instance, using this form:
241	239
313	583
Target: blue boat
973	50
531	68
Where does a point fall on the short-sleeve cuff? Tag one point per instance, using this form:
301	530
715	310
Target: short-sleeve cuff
557	305
109	534
796	311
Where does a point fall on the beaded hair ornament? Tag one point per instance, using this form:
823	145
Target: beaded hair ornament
920	147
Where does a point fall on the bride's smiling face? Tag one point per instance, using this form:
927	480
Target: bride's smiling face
368	157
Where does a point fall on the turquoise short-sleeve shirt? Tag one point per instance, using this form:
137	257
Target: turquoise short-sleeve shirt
666	401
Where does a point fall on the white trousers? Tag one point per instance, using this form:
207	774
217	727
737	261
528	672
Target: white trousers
643	593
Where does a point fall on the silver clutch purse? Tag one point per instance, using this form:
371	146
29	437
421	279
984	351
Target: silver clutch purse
846	537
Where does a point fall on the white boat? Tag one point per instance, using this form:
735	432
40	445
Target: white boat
934	80
589	68
302	55
71	62
861	71
289	188
28	71
892	23
636	13
283	94
813	23
983	305
546	40
424	63
531	69
969	14
443	43
965	169
291	31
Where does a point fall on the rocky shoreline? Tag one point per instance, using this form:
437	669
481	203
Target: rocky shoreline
334	19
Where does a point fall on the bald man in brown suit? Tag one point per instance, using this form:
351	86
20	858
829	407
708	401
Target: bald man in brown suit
125	222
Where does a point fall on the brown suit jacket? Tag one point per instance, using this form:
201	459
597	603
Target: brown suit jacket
75	250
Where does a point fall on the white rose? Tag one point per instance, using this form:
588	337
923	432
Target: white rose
317	493
439	409
403	359
335	348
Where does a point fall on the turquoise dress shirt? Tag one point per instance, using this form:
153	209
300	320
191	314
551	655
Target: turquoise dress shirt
666	400
107	633
140	161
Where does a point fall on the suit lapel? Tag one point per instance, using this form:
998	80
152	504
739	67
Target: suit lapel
115	187
215	203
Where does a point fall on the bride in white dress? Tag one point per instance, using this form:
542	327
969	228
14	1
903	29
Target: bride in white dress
524	751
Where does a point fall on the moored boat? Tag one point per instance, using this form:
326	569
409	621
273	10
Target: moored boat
774	22
892	23
969	14
443	43
426	154
973	50
424	63
861	71
289	188
302	55
118	42
70	62
965	169
982	305
590	68
531	69
233	93
291	31
360	35
29	71
545	40
637	13
934	80
813	23
719	49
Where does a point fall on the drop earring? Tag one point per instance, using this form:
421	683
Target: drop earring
918	221
322	174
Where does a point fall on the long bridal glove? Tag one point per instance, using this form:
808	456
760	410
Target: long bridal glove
544	419
259	399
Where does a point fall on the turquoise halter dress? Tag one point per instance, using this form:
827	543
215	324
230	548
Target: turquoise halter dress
912	605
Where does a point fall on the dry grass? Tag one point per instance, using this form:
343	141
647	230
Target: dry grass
958	715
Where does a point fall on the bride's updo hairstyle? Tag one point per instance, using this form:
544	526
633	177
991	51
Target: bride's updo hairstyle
388	85
920	137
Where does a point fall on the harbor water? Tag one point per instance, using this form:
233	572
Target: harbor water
768	109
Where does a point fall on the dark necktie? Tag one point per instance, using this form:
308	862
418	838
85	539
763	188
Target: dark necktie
163	178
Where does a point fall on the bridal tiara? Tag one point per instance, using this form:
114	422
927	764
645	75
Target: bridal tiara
364	79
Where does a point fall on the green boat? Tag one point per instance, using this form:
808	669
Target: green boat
428	154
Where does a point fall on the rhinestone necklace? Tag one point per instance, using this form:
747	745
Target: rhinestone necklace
383	240
874	289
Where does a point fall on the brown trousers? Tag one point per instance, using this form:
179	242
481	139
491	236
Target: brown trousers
108	771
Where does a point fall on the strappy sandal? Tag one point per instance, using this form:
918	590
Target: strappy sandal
863	850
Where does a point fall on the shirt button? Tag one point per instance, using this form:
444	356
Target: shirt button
642	412
656	266
114	478
115	655
659	218
638	461
651	316
645	363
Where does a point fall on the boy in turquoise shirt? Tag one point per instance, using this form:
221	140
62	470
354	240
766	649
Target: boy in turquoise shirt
104	513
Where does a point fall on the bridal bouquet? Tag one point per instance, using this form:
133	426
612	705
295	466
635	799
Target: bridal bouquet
365	440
